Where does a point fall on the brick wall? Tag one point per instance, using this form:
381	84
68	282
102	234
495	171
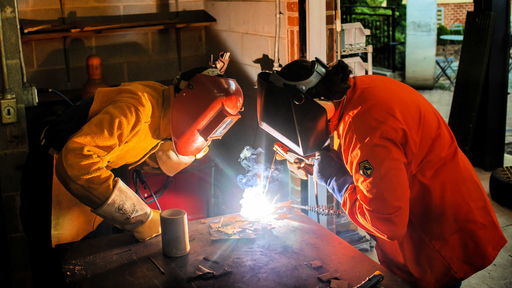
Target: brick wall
125	57
455	13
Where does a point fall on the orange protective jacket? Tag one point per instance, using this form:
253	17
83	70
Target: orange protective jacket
125	125
414	190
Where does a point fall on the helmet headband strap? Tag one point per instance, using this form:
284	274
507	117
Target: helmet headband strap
320	71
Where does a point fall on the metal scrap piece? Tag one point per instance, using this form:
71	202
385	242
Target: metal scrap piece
207	274
229	230
339	284
282	216
315	264
157	266
328	276
216	223
210	260
202	270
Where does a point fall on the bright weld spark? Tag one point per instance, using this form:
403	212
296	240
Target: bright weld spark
255	204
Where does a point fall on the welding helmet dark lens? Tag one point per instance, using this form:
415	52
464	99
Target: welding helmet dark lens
291	116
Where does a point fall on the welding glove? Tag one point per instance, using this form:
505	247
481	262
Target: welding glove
296	167
223	62
330	170
166	159
127	211
150	228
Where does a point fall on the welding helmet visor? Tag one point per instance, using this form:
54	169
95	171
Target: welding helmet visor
289	114
204	110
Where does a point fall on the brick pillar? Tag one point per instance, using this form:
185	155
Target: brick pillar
292	29
331	30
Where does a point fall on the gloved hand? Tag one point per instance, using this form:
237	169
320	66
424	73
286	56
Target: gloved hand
150	228
330	170
297	167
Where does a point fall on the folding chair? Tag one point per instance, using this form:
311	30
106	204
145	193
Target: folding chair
444	65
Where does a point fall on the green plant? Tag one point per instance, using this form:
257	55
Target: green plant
442	30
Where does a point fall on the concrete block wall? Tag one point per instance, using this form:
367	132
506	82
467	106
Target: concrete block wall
247	29
126	57
133	56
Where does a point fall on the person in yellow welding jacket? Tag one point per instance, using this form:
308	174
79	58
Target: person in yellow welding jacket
394	165
67	184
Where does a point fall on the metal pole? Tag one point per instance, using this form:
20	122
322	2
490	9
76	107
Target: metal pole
338	27
22	60
393	39
7	89
278	32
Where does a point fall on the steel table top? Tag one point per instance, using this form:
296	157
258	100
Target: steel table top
279	257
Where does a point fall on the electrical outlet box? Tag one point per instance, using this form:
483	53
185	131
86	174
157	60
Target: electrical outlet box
8	110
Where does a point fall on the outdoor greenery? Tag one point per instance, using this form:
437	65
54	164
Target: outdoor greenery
443	30
400	14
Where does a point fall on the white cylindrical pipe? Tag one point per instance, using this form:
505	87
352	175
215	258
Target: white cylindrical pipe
338	27
174	224
4	61
22	60
278	32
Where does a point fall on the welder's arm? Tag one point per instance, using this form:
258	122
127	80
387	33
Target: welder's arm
329	170
81	168
379	201
165	159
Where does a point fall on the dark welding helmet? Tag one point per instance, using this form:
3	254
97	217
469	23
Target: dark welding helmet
289	114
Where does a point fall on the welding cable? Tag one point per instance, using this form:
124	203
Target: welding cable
53	90
138	179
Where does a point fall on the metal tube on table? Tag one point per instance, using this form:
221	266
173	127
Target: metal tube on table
174	224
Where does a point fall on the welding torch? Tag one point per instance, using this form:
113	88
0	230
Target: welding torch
304	164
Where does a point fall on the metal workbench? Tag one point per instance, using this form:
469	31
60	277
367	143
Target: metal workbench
279	257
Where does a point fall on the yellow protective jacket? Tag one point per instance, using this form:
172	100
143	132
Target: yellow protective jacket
125	125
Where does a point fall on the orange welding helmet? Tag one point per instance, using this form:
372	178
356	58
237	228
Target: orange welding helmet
204	110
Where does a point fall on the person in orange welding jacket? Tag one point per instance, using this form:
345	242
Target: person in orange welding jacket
67	184
394	165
